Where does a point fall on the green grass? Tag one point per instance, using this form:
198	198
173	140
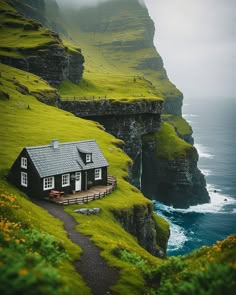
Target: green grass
169	145
180	124
109	61
162	228
118	87
16	39
6	7
22	126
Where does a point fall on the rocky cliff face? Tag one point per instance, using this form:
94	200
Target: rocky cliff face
140	222
173	105
38	50
125	120
176	182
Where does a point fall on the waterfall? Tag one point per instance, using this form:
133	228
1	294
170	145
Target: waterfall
141	169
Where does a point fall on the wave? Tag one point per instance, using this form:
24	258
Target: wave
178	236
189	121
219	204
190	115
206	172
203	151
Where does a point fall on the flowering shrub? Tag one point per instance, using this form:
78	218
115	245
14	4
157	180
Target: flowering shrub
208	271
27	256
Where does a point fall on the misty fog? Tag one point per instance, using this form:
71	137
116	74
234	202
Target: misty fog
197	41
85	3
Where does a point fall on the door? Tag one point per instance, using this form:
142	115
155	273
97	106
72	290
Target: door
78	181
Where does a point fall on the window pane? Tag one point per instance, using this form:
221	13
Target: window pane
48	183
65	179
98	173
23	162
24	179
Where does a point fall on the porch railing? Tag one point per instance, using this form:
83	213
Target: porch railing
111	180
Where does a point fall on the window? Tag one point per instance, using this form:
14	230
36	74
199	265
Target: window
24	163
24	179
88	158
48	183
65	180
98	174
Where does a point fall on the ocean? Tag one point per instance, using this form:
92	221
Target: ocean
214	125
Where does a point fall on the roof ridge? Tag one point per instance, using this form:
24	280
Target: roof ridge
63	143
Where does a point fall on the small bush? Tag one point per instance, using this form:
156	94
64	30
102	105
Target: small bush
135	259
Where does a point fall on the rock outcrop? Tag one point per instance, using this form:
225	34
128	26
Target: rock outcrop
176	182
38	50
125	120
141	223
173	105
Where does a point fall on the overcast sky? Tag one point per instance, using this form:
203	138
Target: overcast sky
197	40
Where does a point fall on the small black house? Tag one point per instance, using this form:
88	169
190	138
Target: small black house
68	167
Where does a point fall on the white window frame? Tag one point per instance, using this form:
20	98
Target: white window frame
98	174
24	162
24	179
88	158
48	183
65	180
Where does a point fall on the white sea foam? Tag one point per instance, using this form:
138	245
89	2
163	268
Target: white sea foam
190	115
177	237
203	151
177	234
189	121
217	205
206	172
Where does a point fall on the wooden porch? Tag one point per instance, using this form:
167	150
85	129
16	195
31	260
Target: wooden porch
83	197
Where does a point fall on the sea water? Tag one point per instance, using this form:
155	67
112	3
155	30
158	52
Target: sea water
214	126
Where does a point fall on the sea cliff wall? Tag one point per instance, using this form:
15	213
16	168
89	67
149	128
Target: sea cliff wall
125	120
151	234
176	181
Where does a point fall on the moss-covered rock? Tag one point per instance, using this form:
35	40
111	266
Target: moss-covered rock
151	231
182	127
170	172
29	46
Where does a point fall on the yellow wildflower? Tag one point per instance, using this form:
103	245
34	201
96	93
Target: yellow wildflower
23	272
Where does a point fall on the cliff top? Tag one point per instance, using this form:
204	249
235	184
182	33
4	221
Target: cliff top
110	86
169	145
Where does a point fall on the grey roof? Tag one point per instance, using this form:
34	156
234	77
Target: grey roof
66	158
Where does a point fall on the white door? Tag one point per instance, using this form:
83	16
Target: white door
78	181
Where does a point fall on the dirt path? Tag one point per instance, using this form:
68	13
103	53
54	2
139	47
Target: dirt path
92	267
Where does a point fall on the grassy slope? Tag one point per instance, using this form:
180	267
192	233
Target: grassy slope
179	123
14	35
21	127
20	34
169	145
105	41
